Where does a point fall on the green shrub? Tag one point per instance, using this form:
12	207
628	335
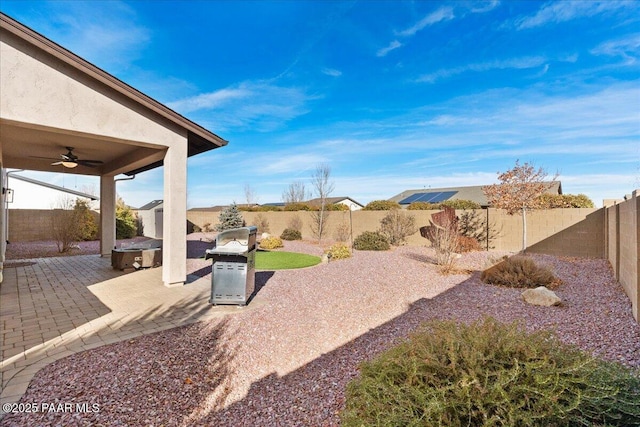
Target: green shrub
371	241
460	204
291	234
337	207
518	272
126	223
381	205
422	206
271	242
299	206
489	374
268	208
554	201
85	222
339	251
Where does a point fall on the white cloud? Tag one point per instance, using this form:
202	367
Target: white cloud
562	11
485	6
385	50
331	72
257	104
444	13
513	63
628	48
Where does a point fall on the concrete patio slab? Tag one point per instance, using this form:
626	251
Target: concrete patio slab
51	308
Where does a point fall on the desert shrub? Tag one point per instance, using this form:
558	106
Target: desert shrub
397	225
291	234
268	208
473	223
262	223
342	232
460	204
468	244
445	240
490	374
271	242
230	217
299	206
338	251
206	227
518	272
422	206
295	223
381	205
371	241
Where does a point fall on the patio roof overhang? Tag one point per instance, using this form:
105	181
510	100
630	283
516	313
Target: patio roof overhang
23	142
51	99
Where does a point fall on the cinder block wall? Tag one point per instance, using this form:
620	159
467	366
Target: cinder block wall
623	246
28	225
569	232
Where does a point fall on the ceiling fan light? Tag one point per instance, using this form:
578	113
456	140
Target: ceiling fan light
69	165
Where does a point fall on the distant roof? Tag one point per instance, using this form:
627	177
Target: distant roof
219	208
150	205
438	195
332	200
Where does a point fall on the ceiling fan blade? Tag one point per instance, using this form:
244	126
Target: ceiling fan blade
89	163
46	158
56	163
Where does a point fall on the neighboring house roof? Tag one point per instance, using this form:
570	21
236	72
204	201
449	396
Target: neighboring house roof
221	207
279	204
333	201
438	195
150	205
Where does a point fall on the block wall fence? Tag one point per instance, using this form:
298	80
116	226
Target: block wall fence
611	233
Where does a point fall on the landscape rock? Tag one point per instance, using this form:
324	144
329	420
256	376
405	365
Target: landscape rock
541	296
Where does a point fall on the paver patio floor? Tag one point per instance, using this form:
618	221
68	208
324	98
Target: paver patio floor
53	307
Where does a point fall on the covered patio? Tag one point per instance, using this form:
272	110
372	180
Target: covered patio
51	308
52	100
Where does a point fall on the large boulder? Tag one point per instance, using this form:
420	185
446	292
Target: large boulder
541	296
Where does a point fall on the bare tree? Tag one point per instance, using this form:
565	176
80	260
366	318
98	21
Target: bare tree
295	193
250	195
323	188
519	190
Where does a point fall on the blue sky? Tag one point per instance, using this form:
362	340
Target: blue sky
392	95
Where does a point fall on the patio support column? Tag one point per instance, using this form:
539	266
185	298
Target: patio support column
174	226
107	214
3	218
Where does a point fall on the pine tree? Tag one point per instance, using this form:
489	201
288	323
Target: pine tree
230	217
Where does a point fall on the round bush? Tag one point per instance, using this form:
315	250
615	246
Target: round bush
518	272
371	241
271	242
291	234
381	205
339	251
490	374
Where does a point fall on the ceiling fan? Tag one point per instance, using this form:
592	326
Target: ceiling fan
70	160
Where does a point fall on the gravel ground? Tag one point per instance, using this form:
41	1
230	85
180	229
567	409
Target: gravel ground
48	248
287	362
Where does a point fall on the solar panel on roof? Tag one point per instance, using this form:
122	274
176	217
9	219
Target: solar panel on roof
430	197
441	197
411	198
